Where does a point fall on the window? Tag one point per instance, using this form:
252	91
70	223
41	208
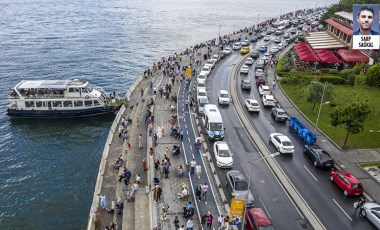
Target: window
68	104
29	104
57	103
78	103
96	103
216	126
241	186
87	103
38	103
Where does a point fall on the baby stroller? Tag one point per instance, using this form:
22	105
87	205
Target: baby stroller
176	151
188	212
156	181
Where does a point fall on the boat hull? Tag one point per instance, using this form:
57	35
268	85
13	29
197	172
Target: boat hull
61	113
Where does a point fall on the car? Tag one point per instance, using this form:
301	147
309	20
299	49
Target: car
264	60
350	185
223	97
255	54
293	31
206	70
286	35
372	212
280	46
238	186
264	33
267	55
277	40
244	50
201	83
245	43
268	100
210	62
202	75
254	39
272	30
256	219
264	90
273	50
263	48
300	27
244	69
269	31
319	157
260	35
259	66
246	84
201	93
223	155
236	46
261	81
282	143
279	114
227	50
201	102
221	55
252	105
215	57
249	61
267	38
259	73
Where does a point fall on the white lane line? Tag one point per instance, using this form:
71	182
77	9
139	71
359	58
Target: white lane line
185	126
310	173
271	126
193	155
187	132
191	147
265	208
342	210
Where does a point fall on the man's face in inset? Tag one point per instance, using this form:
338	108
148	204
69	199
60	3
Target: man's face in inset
365	20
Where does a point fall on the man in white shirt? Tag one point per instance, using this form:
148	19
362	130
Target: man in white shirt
189	224
204	191
193	163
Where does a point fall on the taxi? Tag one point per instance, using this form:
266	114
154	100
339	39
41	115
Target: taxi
244	50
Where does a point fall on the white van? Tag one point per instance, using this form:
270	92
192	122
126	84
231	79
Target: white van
213	122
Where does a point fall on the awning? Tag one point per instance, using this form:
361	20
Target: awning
339	26
352	55
327	56
305	53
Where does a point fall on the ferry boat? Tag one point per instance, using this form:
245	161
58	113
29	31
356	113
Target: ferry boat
60	99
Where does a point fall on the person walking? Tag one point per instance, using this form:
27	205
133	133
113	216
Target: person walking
121	128
360	205
140	141
193	163
198	192
181	134
189	224
176	222
187	104
145	165
221	222
159	193
198	170
274	84
166	170
103	201
204	191
209	221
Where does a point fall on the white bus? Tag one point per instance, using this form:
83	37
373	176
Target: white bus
213	122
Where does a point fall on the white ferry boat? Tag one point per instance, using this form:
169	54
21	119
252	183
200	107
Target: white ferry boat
59	99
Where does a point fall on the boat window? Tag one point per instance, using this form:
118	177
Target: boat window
86	90
96	103
29	104
78	103
87	103
38	103
57	103
73	90
68	104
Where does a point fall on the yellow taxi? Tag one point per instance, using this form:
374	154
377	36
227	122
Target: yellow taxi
244	50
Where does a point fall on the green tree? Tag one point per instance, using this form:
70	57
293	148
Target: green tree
373	75
315	92
351	116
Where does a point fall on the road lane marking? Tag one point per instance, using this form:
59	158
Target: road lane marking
342	210
265	208
189	140
310	173
271	125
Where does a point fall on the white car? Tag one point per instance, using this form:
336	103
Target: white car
227	50
264	59
282	143
206	70
264	34
277	40
201	83
202	75
259	73
223	155
264	90
268	100
273	50
223	97
215	57
201	93
236	46
249	61
280	46
210	62
267	38
252	105
244	69
372	212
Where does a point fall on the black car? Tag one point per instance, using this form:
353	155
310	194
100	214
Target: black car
319	157
255	54
254	39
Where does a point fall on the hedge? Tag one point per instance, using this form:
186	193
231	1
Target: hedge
331	79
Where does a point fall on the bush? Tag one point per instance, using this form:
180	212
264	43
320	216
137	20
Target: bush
351	79
331	79
283	74
332	71
346	72
373	75
280	66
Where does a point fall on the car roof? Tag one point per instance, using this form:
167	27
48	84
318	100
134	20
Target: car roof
222	145
351	178
259	216
201	89
201	80
252	100
237	175
246	81
223	91
279	110
203	100
264	86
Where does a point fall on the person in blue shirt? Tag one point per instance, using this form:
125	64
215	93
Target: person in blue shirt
189	206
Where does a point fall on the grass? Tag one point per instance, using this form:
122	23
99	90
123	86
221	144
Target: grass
370	165
368	138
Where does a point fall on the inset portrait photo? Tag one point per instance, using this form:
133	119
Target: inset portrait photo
366	26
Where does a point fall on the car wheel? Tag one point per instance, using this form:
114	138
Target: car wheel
278	149
315	163
363	212
345	192
331	178
275	118
304	150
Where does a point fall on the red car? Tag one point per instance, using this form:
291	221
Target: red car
350	185
261	81
255	218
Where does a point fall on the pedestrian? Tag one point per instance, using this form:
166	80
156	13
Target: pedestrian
121	128
209	221
159	193
221	222
129	146
103	201
159	133
154	195
198	170
138	179
198	192
140	141
197	144
204	219
151	151
125	136
189	224
193	163
181	134
166	170
145	165
176	222
204	191
274	83
359	205
166	152
182	227
142	92
187	104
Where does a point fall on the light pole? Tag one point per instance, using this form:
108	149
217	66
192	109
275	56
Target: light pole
220	27
320	106
249	182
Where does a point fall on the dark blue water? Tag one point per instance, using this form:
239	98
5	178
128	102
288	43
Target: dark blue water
48	168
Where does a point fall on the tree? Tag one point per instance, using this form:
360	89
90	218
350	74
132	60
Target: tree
315	92
351	116
373	75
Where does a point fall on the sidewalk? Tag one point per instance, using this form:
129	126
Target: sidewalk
345	160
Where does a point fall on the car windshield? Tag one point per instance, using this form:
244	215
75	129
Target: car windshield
254	103
265	89
281	113
216	126
325	157
287	143
210	62
224	153
223	95
202	94
357	185
241	186
202	85
205	69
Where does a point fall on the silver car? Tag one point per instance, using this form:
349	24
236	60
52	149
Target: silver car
372	212
238	187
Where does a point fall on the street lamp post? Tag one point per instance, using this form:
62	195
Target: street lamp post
320	106
219	42
249	181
